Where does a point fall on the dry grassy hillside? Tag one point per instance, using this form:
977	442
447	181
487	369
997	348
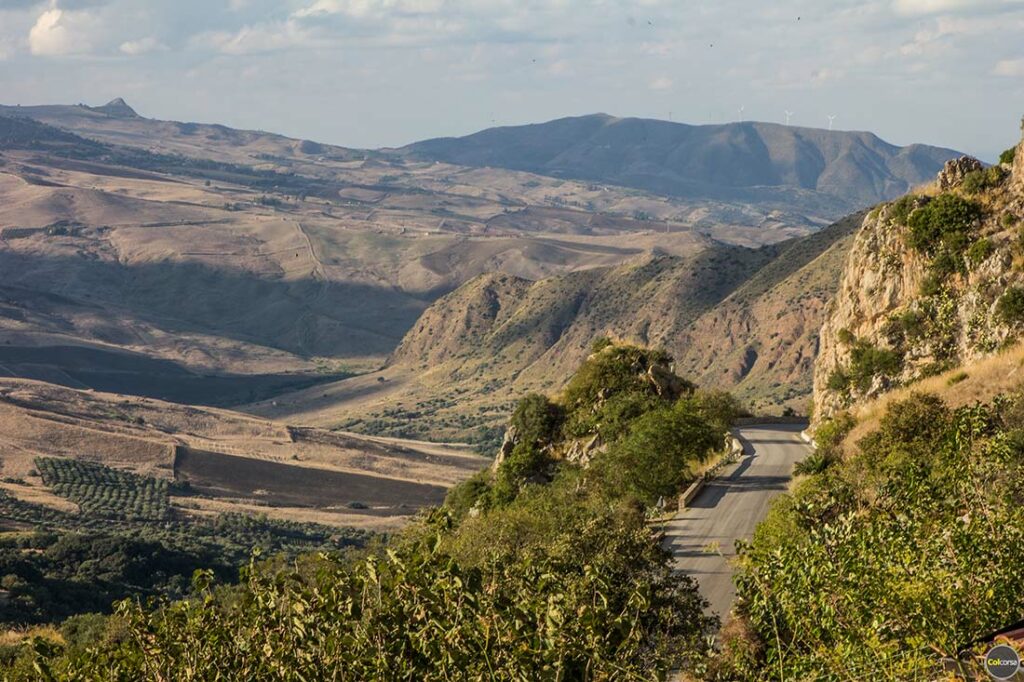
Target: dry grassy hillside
762	340
231	461
205	280
732	317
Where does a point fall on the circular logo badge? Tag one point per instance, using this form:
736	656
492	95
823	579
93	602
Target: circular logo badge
1002	662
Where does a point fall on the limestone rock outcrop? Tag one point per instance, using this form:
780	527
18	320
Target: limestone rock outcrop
953	173
894	321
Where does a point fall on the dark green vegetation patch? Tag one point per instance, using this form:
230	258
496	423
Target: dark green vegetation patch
891	556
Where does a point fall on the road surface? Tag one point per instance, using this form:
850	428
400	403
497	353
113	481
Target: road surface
730	507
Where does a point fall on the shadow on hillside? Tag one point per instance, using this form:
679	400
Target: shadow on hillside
305	316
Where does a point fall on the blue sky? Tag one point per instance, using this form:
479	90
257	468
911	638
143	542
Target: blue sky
370	73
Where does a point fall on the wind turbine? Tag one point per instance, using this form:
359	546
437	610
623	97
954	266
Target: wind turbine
742	107
789	115
831	120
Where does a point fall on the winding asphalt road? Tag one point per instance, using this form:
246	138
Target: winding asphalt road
702	537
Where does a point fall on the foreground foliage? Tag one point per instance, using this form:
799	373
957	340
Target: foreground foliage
543	569
908	550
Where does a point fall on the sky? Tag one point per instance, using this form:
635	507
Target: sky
372	73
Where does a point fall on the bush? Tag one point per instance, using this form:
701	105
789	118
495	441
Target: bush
654	459
945	222
905	327
901	209
417	614
980	251
814	463
957	378
536	419
867	362
1008	155
830	433
465	495
838	380
614	371
846	337
1010	306
878	563
981	180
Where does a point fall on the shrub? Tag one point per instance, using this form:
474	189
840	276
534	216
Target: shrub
1008	155
814	463
617	370
878	562
653	459
903	327
830	434
1008	220
980	251
946	221
932	285
845	337
717	407
1010	307
838	380
536	419
901	209
465	495
980	180
867	362
945	264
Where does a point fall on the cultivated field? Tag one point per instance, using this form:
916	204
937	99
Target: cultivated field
217	460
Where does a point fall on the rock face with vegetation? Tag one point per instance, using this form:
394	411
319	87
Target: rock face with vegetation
933	280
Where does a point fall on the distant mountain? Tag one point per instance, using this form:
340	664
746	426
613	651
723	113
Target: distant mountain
760	163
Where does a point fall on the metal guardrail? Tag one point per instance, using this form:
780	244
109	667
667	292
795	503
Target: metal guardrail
735	451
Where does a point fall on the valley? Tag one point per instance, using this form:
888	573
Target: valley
409	293
215	340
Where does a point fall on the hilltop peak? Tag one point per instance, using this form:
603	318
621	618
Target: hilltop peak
117	107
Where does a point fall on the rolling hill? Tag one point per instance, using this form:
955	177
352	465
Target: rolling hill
736	318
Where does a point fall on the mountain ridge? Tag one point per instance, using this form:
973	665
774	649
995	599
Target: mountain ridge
753	161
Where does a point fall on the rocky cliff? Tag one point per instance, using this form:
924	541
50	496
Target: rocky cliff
932	281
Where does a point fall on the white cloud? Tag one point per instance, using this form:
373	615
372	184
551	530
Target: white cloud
368	8
50	36
142	46
1009	67
915	7
257	38
59	32
561	68
661	83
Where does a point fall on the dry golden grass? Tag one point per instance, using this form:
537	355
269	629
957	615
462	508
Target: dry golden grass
985	379
207	507
38	495
17	636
